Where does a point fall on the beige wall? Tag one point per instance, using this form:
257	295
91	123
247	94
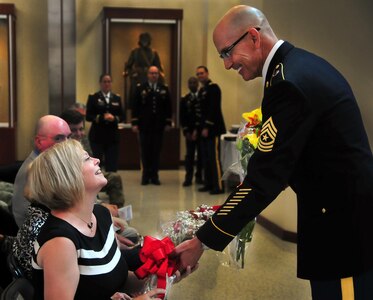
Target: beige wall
32	69
340	31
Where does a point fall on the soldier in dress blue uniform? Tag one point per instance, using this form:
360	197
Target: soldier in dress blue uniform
211	127
313	140
190	118
104	110
151	115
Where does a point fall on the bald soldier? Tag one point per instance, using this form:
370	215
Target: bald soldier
49	131
151	116
305	143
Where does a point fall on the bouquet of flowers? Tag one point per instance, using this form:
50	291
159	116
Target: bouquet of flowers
247	141
187	223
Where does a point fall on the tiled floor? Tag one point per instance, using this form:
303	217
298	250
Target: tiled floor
270	271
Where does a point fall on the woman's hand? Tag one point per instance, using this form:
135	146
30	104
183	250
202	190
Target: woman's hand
109	117
123	242
119	296
147	296
120	223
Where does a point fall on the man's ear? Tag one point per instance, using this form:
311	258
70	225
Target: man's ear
37	142
254	35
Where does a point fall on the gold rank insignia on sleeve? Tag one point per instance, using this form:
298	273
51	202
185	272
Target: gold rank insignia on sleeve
267	136
233	202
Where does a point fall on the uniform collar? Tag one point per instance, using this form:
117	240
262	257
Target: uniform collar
207	82
269	59
153	84
106	95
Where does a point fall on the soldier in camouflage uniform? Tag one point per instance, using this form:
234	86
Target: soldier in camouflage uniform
6	192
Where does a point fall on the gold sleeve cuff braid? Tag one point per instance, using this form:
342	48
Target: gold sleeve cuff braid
226	233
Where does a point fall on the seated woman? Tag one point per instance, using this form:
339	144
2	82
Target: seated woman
37	214
76	255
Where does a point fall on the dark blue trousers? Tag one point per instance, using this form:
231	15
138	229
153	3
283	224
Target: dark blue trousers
359	287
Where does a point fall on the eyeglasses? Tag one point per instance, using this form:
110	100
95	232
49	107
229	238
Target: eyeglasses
58	138
225	53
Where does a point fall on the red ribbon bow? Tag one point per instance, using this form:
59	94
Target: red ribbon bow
154	255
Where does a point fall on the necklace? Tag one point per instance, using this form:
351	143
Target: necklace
89	224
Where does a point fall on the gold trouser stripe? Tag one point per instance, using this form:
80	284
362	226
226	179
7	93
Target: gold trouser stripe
347	286
217	160
212	221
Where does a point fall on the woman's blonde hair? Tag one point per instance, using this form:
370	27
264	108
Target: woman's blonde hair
55	176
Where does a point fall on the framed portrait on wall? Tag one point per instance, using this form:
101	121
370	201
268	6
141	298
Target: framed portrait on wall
134	39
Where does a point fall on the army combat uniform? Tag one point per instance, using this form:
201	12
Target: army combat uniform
190	118
313	140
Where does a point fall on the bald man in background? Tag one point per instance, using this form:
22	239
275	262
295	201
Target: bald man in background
49	131
313	140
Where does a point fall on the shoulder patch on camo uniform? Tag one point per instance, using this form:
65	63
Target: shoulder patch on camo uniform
267	136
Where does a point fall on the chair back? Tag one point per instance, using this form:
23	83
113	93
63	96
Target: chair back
20	288
15	269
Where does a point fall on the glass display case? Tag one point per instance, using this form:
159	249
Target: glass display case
7	83
123	30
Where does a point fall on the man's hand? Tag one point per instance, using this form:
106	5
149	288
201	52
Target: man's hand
135	129
205	132
188	271
189	252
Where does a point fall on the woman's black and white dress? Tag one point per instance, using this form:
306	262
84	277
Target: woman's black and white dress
103	271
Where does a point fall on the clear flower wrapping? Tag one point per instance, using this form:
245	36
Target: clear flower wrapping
188	222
